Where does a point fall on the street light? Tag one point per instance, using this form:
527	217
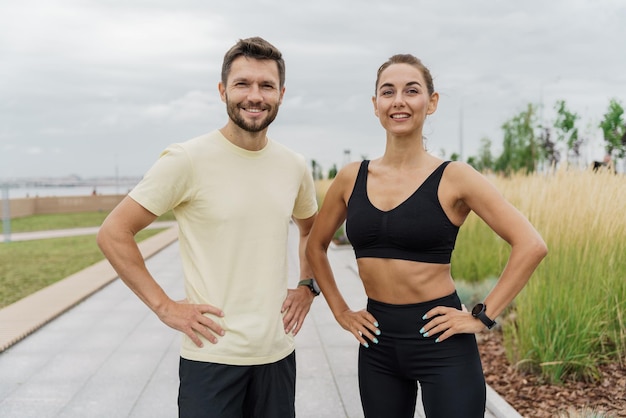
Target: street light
461	125
553	80
346	157
461	131
6	213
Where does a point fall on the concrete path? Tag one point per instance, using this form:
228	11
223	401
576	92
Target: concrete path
59	233
109	356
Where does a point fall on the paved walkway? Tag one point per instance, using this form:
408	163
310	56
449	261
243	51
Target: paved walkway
109	356
58	233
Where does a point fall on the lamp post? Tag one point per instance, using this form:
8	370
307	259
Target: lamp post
471	102
117	175
542	85
6	213
462	125
461	131
346	157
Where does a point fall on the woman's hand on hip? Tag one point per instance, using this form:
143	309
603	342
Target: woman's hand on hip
361	324
450	321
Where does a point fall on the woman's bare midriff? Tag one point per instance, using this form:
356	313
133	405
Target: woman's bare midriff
401	282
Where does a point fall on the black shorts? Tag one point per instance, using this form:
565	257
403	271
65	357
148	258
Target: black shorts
212	390
449	373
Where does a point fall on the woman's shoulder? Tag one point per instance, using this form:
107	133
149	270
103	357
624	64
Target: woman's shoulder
464	178
347	175
350	169
459	168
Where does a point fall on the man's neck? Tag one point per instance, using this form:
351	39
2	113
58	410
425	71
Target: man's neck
251	141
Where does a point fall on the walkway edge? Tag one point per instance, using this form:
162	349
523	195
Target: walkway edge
25	316
498	406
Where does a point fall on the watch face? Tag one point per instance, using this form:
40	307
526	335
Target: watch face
476	310
316	288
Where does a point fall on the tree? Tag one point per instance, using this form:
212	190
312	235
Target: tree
520	147
614	129
316	170
485	157
332	173
484	160
566	130
550	150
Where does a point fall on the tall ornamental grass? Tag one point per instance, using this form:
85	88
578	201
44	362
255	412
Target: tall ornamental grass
571	316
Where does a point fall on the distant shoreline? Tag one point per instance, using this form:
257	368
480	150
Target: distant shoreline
66	190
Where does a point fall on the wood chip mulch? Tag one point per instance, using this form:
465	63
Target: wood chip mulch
534	398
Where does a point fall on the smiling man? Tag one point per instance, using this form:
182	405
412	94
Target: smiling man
234	192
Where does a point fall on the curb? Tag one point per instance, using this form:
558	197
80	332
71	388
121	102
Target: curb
498	406
25	316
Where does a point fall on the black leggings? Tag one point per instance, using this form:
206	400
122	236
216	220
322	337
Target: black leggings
449	373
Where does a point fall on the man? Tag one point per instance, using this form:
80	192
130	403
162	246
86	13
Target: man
233	192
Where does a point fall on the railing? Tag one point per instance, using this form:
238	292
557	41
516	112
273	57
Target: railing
17	208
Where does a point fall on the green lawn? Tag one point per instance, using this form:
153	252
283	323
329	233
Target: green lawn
28	266
65	221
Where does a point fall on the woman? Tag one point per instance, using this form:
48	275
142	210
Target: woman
402	212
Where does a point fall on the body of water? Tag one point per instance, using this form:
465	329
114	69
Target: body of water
56	191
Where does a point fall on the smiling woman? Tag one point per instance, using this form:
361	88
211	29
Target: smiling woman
400	103
403	212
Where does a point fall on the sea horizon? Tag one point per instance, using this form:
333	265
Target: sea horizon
33	191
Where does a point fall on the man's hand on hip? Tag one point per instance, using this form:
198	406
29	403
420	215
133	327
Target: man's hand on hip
190	319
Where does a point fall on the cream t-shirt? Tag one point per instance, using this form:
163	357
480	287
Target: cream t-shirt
233	208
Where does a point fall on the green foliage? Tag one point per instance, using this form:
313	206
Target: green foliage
565	125
479	252
526	143
332	173
565	131
614	129
581	322
571	316
484	161
471	293
316	170
520	149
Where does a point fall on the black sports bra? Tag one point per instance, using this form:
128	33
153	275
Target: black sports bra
417	229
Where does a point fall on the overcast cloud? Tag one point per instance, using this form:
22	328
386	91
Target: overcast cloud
90	87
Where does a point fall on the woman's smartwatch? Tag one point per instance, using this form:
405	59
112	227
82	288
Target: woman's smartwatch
311	284
479	312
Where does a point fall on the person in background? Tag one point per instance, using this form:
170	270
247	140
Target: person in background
403	212
234	193
607	164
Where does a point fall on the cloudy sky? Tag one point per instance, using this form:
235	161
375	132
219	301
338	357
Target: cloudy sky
95	88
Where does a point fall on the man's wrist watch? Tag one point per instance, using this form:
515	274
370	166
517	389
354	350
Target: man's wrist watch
479	311
311	284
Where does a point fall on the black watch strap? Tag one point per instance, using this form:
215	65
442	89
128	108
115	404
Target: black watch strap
479	311
311	284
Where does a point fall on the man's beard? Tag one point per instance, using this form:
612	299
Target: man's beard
256	126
